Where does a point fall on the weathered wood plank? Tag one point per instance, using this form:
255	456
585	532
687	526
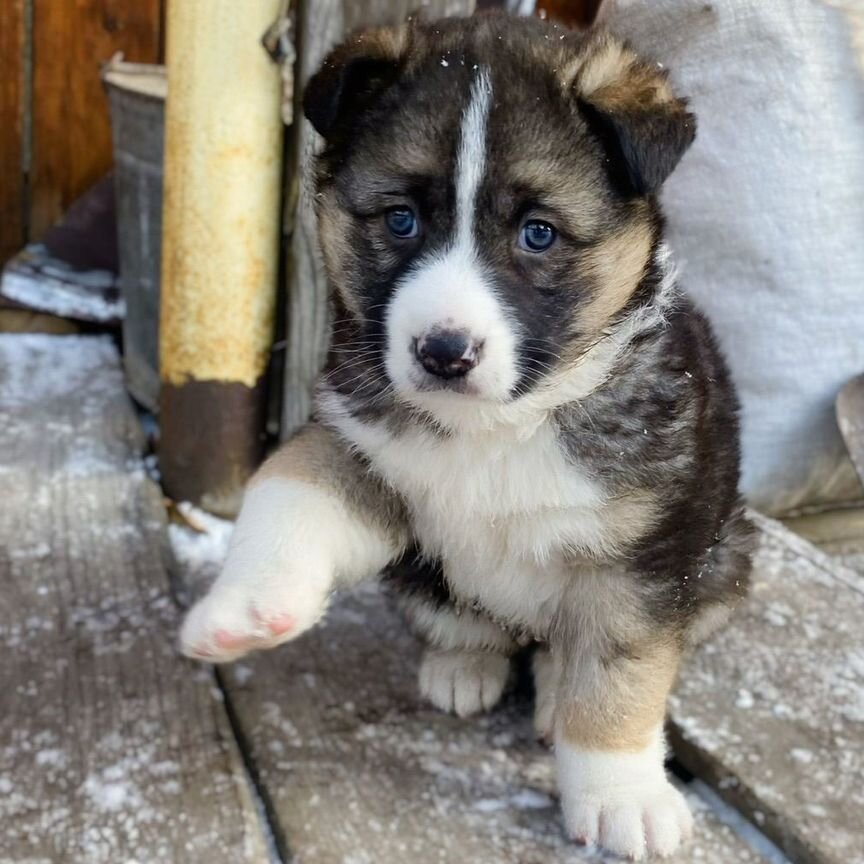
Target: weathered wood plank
771	710
112	748
71	129
320	26
12	34
359	770
837	533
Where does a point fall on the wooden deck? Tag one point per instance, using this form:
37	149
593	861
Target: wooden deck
113	749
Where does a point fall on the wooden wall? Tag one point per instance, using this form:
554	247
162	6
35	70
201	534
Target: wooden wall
55	137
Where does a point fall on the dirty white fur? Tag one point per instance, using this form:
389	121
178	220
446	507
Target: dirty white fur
293	543
621	801
463	682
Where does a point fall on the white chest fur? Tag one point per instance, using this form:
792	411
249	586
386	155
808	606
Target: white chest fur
499	508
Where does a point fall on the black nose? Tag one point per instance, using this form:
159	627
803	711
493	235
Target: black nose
446	353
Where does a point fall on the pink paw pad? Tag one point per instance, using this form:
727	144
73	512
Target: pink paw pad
229	641
280	624
201	651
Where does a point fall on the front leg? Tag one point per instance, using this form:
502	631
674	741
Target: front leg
610	748
466	664
313	519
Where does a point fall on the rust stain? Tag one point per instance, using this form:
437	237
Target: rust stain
223	142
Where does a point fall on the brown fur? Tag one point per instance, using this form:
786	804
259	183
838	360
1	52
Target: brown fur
613	77
618	705
617	265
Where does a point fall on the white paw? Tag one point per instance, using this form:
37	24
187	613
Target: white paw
622	801
277	577
633	822
463	682
246	614
544	696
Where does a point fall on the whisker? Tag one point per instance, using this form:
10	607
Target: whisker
365	373
357	361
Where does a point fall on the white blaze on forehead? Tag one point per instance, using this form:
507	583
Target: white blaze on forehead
449	290
471	162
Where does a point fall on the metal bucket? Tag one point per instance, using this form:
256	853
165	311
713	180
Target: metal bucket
137	95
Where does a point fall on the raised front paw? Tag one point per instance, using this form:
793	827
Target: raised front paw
632	821
463	682
243	614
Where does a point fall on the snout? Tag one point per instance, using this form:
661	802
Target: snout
447	353
450	340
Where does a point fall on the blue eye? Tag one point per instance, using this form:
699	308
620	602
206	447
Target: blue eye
402	222
537	236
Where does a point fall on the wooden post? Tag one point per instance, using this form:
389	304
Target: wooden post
223	170
321	24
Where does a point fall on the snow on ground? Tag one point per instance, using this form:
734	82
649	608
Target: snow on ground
77	368
38	282
199	543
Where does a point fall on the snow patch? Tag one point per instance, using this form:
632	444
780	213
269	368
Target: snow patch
204	549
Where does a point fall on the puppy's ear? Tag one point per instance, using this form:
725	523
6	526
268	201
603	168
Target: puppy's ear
644	128
352	76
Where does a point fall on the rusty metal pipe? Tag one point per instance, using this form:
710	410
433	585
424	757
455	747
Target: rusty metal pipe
220	240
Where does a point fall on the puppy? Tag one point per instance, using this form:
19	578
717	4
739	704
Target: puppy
522	421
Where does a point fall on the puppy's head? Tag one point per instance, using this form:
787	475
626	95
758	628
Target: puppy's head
486	198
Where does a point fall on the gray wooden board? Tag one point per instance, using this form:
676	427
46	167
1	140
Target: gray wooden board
360	771
771	709
112	748
839	533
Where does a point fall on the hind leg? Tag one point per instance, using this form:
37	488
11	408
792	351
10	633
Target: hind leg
545	673
463	682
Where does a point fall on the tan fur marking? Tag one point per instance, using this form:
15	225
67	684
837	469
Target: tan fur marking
314	455
642	90
627	517
632	515
616	266
629	700
317	456
385	42
334	225
580	203
611	76
607	64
